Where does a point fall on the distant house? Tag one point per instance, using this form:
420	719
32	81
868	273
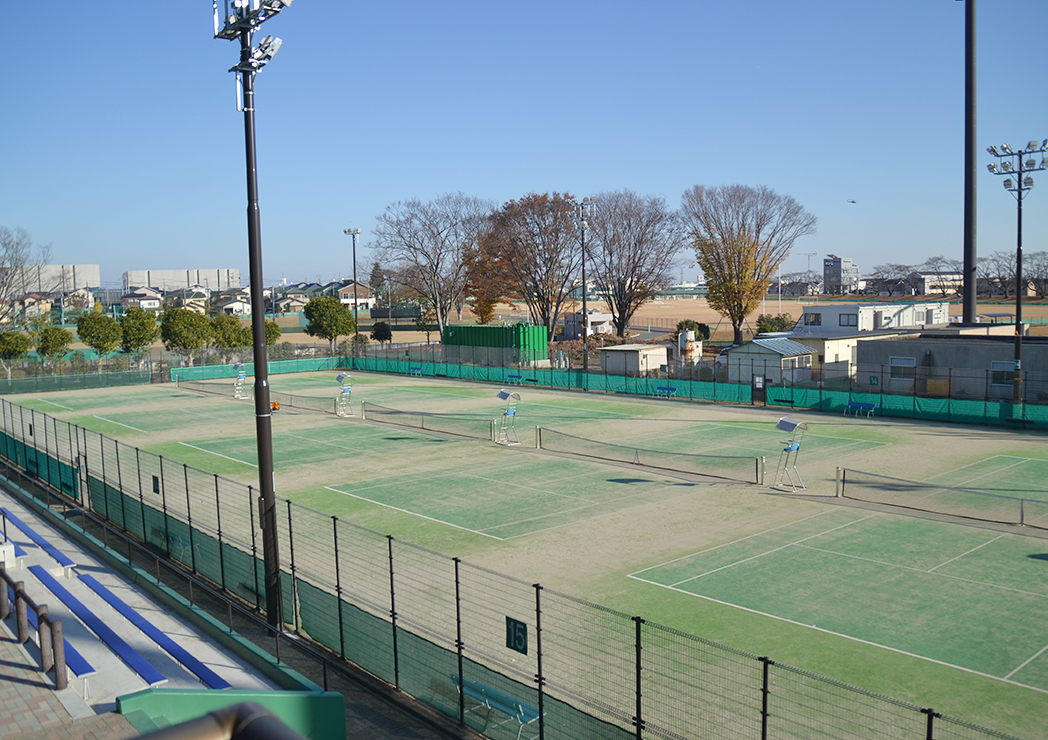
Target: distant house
777	359
291	303
235	306
148	299
633	359
31	305
81	299
365	300
596	323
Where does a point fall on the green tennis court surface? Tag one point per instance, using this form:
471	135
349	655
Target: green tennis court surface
507	495
1001	474
338	441
960	595
56	403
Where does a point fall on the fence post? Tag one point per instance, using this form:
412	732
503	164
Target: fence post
58	646
767	662
458	642
254	540
21	618
5	600
338	589
393	615
43	633
120	486
540	679
638	718
218	528
189	522
929	733
163	503
294	576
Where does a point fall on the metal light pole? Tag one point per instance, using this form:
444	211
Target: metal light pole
1011	163
583	211
239	21
356	317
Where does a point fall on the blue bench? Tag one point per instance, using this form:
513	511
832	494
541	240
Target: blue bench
415	371
858	407
493	701
40	542
20	554
665	391
113	641
515	379
209	678
74	660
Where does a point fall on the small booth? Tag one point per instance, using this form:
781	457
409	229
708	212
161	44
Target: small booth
632	359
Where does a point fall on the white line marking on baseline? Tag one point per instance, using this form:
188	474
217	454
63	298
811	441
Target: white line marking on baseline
1027	662
219	454
121	424
67	408
777	549
847	637
413	513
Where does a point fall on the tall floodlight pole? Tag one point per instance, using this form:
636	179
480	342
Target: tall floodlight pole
356	318
583	211
239	21
970	278
1012	164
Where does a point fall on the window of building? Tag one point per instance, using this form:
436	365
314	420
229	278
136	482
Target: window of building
903	368
813	319
1002	373
919	317
849	319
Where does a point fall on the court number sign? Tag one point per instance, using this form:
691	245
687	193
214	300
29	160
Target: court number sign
516	635
874	380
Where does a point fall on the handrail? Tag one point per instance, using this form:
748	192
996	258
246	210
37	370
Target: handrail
49	631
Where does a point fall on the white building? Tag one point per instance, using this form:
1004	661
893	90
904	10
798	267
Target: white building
633	359
830	319
596	323
167	280
53	278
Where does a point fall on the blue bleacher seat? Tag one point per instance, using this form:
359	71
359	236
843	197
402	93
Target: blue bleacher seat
112	640
210	679
40	542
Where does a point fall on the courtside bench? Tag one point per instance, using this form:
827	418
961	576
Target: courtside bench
493	701
665	391
415	372
515	379
858	407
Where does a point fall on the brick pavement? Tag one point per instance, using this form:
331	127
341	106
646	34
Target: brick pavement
27	704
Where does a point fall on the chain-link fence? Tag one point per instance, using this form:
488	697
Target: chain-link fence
504	657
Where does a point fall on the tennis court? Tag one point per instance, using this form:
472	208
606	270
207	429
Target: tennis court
606	531
965	596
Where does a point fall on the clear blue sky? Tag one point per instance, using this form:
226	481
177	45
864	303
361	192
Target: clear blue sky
122	145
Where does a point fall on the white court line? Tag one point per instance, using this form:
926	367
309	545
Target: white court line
769	552
218	454
849	637
966	553
1027	662
414	513
729	544
67	408
121	424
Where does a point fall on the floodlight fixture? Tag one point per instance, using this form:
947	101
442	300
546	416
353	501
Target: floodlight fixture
1028	183
1033	146
244	15
1006	166
993	150
1008	184
1006	148
260	56
992	168
1030	164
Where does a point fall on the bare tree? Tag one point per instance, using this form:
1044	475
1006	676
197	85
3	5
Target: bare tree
535	240
1035	266
633	242
20	263
741	235
891	277
425	246
999	271
944	271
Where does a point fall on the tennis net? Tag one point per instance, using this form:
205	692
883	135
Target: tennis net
733	467
967	503
326	404
460	424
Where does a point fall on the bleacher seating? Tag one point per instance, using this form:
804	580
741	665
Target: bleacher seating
59	557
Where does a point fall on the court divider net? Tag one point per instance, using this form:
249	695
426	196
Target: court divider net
460	424
743	468
967	503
